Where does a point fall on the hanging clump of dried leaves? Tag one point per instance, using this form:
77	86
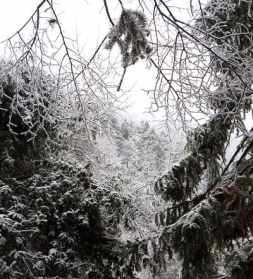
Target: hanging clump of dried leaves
130	33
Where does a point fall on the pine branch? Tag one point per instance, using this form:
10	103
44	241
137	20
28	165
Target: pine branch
206	144
241	167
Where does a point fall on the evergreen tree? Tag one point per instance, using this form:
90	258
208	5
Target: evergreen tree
218	220
55	222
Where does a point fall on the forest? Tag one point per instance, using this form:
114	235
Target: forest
92	188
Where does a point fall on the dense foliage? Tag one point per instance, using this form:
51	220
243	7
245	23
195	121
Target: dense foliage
54	221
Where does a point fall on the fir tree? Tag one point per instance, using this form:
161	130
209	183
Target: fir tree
197	224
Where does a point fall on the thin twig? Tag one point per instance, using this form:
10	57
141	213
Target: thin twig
26	23
171	18
108	13
71	69
122	77
121	4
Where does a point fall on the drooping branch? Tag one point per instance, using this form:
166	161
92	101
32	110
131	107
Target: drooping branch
108	13
206	144
219	220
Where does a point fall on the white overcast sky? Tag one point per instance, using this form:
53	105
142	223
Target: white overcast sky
87	21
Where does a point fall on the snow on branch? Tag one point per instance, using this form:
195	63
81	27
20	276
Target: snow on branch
206	144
